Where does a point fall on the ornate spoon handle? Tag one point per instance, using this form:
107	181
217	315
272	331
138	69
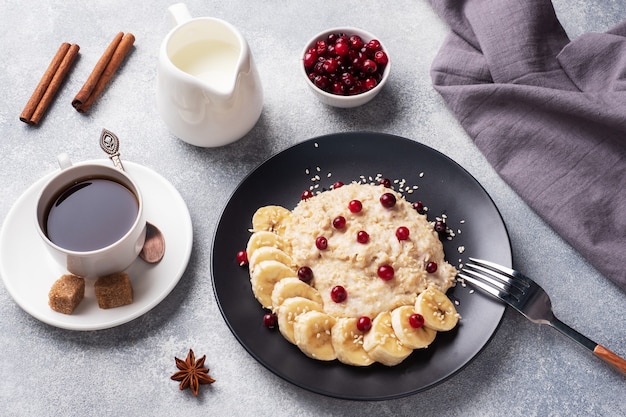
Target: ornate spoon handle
110	143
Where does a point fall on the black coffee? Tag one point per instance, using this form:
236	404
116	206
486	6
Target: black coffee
91	214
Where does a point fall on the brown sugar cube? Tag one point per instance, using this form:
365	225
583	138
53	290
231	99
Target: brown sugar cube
66	293
114	290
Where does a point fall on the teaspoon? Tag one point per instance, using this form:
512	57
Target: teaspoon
154	246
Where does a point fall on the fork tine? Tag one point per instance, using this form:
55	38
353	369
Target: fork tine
491	286
511	275
504	282
482	285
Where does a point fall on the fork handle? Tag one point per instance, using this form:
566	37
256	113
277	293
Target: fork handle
598	350
610	358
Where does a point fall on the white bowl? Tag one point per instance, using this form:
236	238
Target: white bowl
339	100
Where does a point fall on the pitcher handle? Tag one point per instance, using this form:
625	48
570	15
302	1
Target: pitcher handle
178	13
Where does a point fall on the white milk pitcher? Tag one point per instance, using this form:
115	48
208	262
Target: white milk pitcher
209	91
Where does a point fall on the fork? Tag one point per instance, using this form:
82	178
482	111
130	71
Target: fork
527	297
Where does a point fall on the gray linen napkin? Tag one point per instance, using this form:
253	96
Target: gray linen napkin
548	113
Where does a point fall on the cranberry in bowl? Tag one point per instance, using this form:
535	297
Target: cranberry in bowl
345	67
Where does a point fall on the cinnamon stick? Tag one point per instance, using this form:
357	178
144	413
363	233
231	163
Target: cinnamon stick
103	72
49	84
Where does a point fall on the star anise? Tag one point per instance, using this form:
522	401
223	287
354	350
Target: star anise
192	373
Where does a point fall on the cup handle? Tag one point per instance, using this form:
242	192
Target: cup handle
178	13
64	161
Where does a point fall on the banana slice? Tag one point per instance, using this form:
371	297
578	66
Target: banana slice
270	218
289	310
312	334
409	336
381	343
438	311
264	278
292	287
269	253
347	342
261	239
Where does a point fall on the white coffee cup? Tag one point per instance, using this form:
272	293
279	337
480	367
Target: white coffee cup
124	242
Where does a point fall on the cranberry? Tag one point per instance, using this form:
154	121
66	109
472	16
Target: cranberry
356	42
330	65
242	258
402	233
373	45
381	57
362	237
321	243
306	194
385	182
338	294
440	226
310	58
305	274
339	222
270	320
357	88
341	48
318	67
338	88
321	47
385	272
370	83
388	200
431	267
357	63
369	66
338	184
364	324
416	320
348	79
321	82
355	206
419	207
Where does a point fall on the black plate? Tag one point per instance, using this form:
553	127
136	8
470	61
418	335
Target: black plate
444	187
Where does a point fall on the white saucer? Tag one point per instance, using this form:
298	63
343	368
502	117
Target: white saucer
28	270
